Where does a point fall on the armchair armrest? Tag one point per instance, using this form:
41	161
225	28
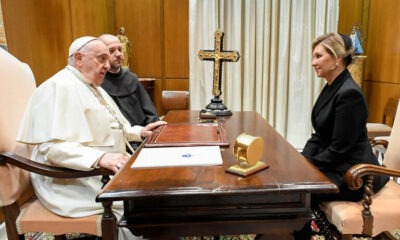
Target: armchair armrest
354	179
52	171
354	175
379	146
376	141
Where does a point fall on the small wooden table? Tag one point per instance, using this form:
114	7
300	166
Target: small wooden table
166	203
148	84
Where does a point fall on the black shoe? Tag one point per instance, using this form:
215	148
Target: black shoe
305	233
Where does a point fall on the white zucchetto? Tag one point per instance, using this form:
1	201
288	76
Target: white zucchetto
79	43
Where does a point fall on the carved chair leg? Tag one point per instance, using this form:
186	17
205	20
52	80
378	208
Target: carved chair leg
11	213
347	237
258	237
59	237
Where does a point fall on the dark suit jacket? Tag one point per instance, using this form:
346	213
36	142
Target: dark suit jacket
340	140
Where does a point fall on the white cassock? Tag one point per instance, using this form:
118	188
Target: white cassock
72	128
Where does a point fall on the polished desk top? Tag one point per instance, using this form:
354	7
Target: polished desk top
208	192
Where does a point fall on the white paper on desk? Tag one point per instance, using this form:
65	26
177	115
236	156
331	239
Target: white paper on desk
178	156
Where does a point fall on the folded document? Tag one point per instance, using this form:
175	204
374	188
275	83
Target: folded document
178	156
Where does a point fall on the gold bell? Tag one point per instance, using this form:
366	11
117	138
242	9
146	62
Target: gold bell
248	150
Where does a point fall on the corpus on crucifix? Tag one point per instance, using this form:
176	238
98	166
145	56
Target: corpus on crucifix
218	56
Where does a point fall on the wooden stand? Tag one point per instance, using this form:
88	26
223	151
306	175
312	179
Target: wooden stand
357	69
148	84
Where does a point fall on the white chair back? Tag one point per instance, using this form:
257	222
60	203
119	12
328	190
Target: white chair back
392	156
17	84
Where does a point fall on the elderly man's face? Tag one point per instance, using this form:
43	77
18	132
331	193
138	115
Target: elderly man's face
94	63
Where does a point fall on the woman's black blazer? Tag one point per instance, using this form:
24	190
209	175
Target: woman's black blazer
340	140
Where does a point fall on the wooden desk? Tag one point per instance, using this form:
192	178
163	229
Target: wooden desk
166	203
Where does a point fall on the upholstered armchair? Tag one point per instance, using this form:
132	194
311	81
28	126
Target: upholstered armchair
377	214
22	211
383	128
175	100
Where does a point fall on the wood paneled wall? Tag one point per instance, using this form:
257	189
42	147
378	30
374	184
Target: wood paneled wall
39	33
91	17
158	31
351	13
142	20
381	46
382	73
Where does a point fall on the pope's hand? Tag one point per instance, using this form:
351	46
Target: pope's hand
113	161
148	129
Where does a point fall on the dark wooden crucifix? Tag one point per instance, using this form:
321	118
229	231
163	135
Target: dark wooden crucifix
218	56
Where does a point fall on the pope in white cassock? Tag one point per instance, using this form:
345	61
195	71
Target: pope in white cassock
75	124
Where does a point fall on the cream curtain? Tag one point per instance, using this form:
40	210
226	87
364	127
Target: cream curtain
273	75
3	41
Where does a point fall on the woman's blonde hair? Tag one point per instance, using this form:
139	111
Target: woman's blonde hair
338	45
